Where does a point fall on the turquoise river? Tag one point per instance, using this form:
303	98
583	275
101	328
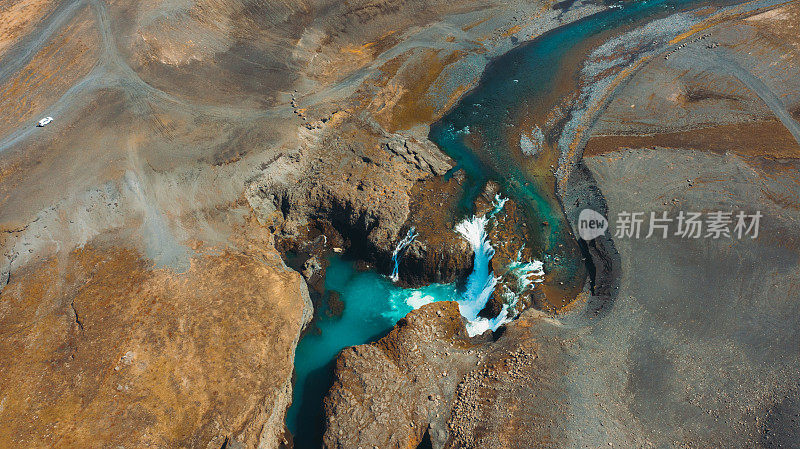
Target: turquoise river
524	78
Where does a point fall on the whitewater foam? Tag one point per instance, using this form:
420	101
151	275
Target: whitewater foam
401	245
480	284
526	273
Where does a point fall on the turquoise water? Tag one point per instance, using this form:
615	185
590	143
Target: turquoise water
372	305
514	85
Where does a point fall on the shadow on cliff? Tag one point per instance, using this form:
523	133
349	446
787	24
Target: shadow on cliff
310	420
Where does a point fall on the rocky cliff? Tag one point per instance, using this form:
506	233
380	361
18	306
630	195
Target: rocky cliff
427	384
685	342
362	193
138	303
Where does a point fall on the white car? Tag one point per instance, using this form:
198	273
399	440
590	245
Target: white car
44	121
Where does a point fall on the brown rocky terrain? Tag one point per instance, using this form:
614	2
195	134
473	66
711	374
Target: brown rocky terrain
427	381
694	341
361	189
104	349
712	95
143	299
435	255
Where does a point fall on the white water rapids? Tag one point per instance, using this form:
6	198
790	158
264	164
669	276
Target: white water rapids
480	283
403	244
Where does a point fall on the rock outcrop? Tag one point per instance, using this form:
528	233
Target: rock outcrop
121	221
428	381
366	196
393	392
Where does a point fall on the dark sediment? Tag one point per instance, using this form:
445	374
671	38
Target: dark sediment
602	258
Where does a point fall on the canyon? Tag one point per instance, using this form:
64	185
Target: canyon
166	238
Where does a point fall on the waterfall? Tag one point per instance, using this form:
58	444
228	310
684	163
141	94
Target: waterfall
526	273
401	245
499	202
480	284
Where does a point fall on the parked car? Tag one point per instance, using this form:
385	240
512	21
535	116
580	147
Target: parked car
44	121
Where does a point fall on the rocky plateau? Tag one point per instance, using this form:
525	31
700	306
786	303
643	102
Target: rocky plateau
165	238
